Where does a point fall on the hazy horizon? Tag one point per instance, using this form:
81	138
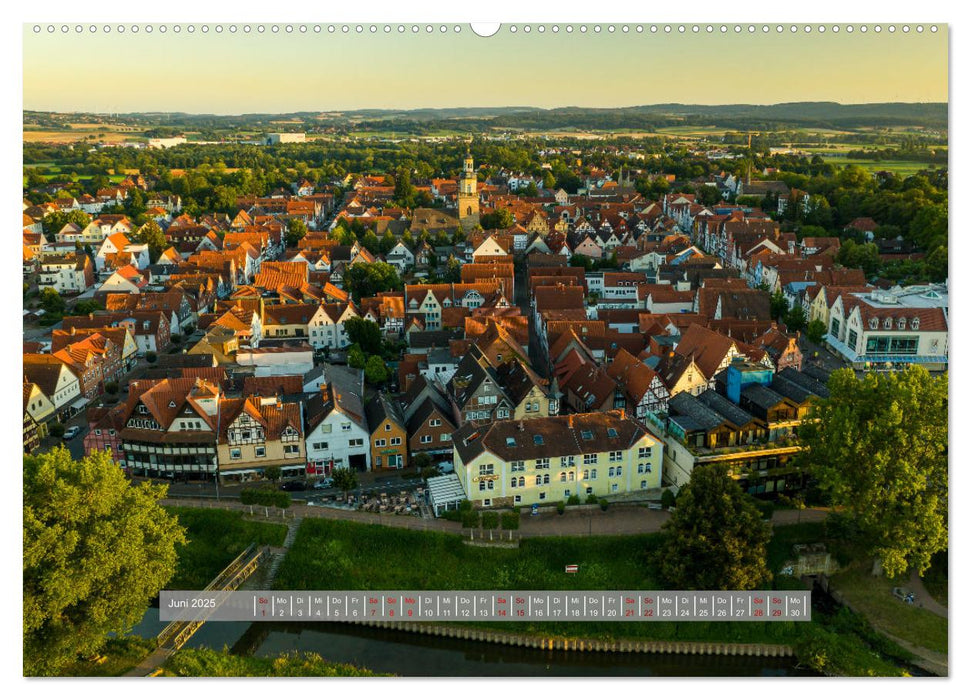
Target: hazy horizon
480	107
233	74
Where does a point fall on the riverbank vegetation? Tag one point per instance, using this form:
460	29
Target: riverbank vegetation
328	554
213	539
118	656
196	663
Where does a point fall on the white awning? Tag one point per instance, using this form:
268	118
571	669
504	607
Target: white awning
445	491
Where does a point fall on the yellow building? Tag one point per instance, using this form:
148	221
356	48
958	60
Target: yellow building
546	460
468	195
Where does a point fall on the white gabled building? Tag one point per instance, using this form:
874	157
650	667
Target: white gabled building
337	434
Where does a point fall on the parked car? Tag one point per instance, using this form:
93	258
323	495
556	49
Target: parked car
445	467
71	432
324	483
293	486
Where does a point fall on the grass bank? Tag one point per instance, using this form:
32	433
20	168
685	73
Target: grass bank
216	537
873	598
330	554
119	655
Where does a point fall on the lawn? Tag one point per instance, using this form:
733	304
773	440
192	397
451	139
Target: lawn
872	597
215	538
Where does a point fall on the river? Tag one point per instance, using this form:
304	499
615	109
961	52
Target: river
407	654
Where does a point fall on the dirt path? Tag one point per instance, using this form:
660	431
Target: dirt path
924	599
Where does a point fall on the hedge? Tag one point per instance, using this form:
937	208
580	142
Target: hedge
265	497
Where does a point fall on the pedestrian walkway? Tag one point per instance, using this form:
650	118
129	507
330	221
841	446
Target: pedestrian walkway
924	598
618	519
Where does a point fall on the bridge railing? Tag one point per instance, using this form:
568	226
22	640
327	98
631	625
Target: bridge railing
177	632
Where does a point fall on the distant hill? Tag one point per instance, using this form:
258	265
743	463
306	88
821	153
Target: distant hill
642	117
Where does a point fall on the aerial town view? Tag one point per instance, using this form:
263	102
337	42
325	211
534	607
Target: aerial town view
322	338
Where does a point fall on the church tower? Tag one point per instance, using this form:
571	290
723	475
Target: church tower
468	195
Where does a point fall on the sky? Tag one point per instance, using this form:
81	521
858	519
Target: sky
238	73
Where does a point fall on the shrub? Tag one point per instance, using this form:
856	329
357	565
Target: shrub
592	500
573	500
510	521
175	338
470	518
603	504
765	508
465	506
111	388
667	498
151	357
560	507
421	461
265	497
490	520
454	515
56	430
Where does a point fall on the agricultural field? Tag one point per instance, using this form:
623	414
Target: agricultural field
904	168
82	132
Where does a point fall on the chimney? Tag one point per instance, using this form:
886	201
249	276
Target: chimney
569	420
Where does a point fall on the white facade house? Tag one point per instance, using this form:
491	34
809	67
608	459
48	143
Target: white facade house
337	434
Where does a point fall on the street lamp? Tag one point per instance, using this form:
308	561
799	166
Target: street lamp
215	476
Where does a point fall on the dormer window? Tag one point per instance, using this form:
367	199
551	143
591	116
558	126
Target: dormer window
888	323
901	324
171	404
874	324
915	323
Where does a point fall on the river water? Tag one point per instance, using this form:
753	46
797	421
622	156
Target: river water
407	654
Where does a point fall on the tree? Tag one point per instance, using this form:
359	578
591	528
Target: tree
87	306
51	301
344	478
273	472
296	229
151	233
795	318
865	256
367	279
453	270
708	195
56	220
878	447
779	305
97	549
716	539
356	357
404	191
816	331
371	242
365	334
376	371
500	218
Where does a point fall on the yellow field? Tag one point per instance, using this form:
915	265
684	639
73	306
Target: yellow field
75	135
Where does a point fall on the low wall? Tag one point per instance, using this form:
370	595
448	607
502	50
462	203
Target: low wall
533	641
